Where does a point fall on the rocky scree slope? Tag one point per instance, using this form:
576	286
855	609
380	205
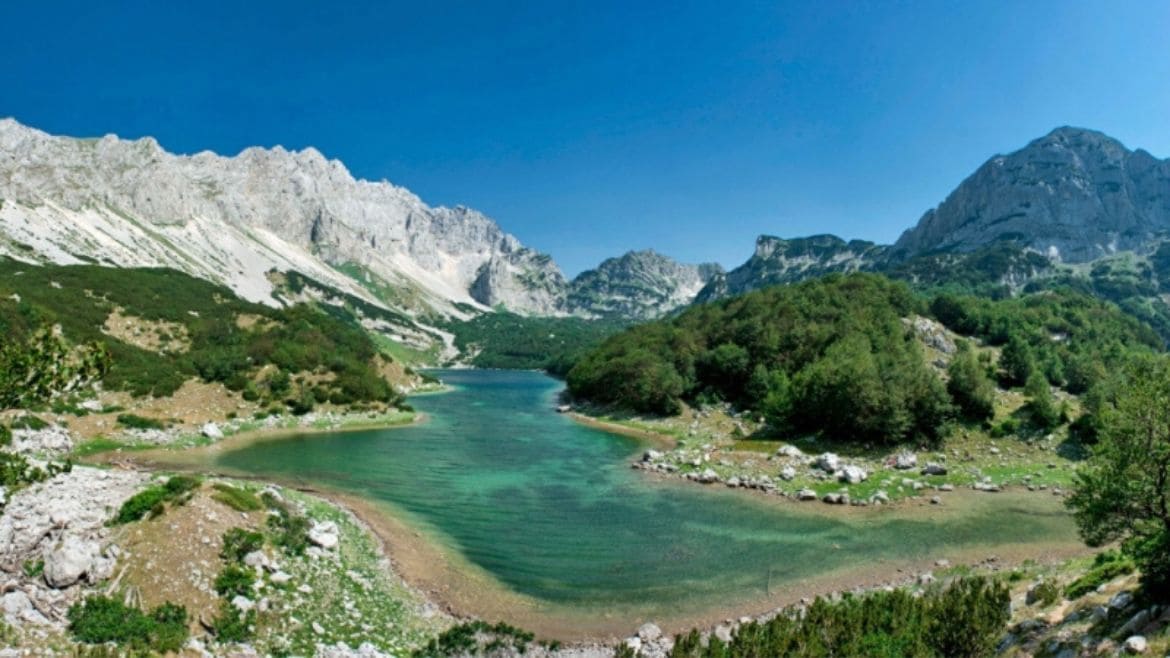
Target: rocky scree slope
233	219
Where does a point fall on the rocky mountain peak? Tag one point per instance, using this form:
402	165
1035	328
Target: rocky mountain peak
638	284
1074	195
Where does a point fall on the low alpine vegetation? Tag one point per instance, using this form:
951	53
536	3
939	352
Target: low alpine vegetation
153	499
101	620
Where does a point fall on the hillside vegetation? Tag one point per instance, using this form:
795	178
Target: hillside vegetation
836	356
182	328
508	340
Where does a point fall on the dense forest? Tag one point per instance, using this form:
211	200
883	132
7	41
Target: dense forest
836	356
508	340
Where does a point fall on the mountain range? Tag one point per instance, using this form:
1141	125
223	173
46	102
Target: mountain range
1074	206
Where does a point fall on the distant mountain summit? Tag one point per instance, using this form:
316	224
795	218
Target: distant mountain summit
777	260
638	285
242	221
1074	195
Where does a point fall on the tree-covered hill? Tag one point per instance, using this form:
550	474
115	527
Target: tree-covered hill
835	356
162	327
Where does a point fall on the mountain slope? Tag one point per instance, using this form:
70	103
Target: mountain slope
1074	194
777	260
233	219
638	285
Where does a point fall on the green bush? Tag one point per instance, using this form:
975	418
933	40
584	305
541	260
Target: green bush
290	530
237	498
1106	566
233	626
1046	592
29	422
235	580
101	619
153	499
238	542
964	620
136	422
477	638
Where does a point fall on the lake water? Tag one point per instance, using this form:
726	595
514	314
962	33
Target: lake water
551	509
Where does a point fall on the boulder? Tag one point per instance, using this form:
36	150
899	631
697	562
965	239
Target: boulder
806	494
649	632
880	497
905	461
281	578
789	451
1135	624
324	535
1135	644
708	476
211	431
91	405
853	474
828	462
1121	601
69	560
256	559
242	603
787	473
733	482
651	456
934	468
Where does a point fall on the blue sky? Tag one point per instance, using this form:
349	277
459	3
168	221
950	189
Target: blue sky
591	128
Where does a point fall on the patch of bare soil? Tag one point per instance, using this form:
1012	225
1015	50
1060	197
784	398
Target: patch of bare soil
192	405
175	557
153	335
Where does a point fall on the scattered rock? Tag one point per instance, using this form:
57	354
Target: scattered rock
649	632
934	468
787	473
708	476
243	604
806	494
1136	644
789	451
905	461
211	431
324	535
853	474
651	456
69	560
828	462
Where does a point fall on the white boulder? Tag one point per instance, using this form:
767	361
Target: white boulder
69	560
211	431
324	535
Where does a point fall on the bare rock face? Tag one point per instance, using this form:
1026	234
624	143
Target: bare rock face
639	285
777	261
1075	195
232	219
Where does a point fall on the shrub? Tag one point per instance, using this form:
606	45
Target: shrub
101	619
153	499
1106	566
29	422
476	638
237	498
1046	592
238	542
231	625
235	580
136	422
964	620
290	530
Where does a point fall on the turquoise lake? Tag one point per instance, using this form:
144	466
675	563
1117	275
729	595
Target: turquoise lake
551	509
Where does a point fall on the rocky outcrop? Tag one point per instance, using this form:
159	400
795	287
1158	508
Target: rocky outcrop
1073	194
778	261
59	524
232	219
638	285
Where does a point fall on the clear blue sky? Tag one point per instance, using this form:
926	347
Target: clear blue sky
591	128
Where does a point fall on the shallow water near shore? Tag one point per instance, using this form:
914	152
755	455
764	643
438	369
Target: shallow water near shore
549	510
